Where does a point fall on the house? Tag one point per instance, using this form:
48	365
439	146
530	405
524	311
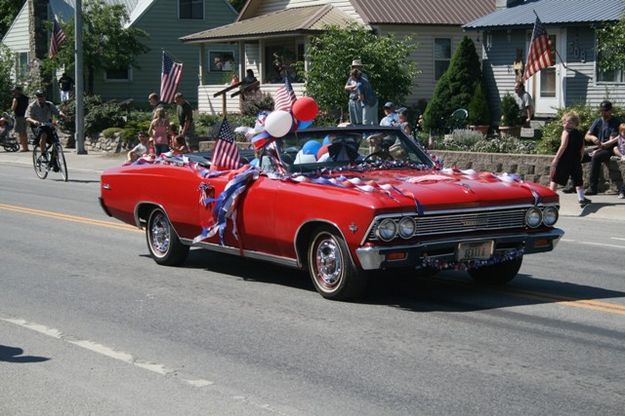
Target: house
571	24
164	21
265	27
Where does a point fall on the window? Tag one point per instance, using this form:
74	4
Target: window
21	66
612	75
221	61
442	56
280	62
118	75
191	9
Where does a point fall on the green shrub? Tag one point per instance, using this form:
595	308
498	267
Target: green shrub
69	109
251	106
510	113
479	112
505	145
111	132
455	88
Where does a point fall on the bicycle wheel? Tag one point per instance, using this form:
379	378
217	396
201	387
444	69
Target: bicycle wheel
60	160
39	163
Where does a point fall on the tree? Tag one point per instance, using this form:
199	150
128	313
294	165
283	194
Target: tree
9	8
610	41
7	61
237	4
479	113
386	61
107	43
455	87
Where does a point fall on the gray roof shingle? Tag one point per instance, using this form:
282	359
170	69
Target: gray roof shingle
552	12
423	12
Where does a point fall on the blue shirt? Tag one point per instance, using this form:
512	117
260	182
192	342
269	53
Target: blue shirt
390	120
604	129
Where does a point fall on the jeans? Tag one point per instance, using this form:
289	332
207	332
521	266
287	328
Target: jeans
370	115
355	112
598	158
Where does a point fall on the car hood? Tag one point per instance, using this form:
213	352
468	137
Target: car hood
450	188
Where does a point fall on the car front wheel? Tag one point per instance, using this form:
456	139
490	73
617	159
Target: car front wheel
331	268
497	274
163	242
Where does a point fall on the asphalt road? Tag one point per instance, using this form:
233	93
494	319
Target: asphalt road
90	325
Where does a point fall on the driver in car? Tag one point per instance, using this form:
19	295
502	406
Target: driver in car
38	114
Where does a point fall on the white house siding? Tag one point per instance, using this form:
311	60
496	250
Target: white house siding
268	6
424	36
211	105
164	28
16	37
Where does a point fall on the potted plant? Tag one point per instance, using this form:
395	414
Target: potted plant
479	113
510	123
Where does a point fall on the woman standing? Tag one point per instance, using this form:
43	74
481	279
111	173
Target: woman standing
158	131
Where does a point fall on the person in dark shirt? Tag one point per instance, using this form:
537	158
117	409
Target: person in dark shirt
19	106
185	118
66	83
603	132
155	102
568	159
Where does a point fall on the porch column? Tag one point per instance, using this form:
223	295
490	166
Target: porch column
306	55
261	60
241	60
202	74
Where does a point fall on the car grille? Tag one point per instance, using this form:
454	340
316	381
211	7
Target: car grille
463	223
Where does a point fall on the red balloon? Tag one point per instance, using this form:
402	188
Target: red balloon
305	109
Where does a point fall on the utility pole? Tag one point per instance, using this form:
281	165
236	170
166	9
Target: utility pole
78	76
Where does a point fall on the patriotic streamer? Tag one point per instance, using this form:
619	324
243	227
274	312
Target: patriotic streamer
473	264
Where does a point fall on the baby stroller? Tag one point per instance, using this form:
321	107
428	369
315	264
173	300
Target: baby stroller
7	136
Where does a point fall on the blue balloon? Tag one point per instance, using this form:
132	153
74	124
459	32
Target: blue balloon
327	140
304	124
311	147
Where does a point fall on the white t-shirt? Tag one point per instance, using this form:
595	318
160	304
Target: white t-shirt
139	150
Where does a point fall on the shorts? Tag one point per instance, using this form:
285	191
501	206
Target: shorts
52	137
561	171
20	125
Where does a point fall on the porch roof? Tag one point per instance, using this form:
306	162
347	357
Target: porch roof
310	19
552	12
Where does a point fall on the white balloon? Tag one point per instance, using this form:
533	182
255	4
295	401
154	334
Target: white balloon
278	123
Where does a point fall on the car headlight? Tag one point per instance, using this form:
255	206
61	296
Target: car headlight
550	216
406	227
387	230
533	217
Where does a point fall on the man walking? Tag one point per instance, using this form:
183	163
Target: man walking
66	83
19	106
185	118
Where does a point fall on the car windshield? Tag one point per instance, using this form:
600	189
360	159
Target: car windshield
310	150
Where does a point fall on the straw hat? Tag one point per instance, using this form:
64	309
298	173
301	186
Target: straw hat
356	62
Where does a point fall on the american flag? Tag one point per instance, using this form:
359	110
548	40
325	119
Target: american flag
284	96
58	37
226	151
171	74
540	54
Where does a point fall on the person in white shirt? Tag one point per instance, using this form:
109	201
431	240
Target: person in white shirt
139	150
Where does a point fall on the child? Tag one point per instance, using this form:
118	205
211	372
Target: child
180	146
4	127
158	131
568	159
172	132
619	151
139	150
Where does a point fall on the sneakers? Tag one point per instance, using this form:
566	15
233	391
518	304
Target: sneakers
584	202
621	195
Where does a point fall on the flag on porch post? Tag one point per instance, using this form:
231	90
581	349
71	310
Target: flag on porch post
540	55
171	74
58	37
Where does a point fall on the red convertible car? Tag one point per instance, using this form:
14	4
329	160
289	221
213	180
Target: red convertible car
338	202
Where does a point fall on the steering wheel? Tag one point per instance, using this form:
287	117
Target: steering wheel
382	154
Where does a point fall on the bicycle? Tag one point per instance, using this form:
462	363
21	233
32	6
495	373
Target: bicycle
53	157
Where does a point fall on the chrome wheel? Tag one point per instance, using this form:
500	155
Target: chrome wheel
331	267
160	235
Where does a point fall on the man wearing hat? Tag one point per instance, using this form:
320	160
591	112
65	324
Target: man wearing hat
19	106
40	112
391	118
604	134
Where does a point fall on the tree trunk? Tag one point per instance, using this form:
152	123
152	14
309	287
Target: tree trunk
38	39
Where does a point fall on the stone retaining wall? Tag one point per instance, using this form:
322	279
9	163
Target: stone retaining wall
534	168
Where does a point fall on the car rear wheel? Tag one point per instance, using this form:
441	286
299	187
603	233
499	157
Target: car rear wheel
163	242
331	268
497	274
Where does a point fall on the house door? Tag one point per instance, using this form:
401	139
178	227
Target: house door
547	85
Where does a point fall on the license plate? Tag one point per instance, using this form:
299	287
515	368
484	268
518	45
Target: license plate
482	250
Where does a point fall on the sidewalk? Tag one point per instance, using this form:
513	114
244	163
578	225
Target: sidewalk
603	206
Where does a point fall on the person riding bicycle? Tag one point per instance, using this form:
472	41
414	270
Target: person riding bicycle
39	114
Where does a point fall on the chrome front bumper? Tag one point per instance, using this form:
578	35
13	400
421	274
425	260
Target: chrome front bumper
375	257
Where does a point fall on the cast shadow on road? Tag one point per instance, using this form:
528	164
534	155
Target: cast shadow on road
14	355
77	180
596	206
444	292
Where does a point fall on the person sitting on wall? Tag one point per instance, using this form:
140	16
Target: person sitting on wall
524	101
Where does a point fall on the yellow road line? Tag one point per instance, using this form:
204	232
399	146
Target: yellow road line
568	301
66	217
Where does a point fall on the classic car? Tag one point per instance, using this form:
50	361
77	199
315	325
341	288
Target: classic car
339	202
